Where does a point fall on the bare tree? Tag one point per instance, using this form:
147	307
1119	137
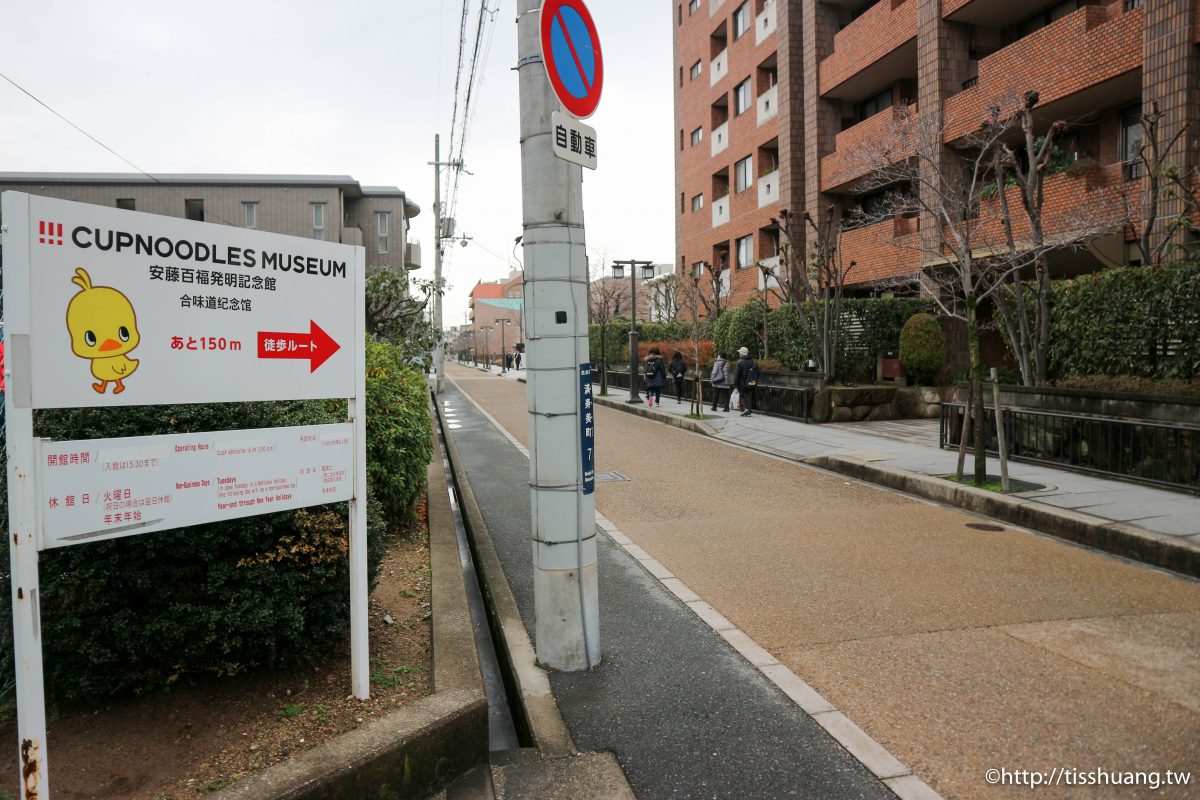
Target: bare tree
606	298
814	284
706	288
666	301
691	295
1167	182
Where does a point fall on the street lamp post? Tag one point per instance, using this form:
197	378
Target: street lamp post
487	348
647	268
502	324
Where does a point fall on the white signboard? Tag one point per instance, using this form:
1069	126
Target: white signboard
142	309
104	488
573	141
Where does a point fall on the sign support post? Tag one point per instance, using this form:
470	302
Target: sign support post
209	314
566	607
23	510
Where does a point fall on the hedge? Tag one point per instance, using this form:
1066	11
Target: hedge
146	611
1140	321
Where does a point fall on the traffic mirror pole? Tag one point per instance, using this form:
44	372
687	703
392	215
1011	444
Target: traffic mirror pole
567	632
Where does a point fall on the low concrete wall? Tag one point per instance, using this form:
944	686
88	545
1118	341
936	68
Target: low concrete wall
416	750
858	403
1158	408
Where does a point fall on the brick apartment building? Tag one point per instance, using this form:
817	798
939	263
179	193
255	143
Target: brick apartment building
330	207
775	98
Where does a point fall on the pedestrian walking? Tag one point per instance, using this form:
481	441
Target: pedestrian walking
678	371
720	382
656	377
745	378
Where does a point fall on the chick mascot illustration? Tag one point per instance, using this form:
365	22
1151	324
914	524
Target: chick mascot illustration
103	329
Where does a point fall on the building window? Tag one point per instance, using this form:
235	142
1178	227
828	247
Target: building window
381	226
193	209
697	202
741	20
692	6
874	104
697	136
698	269
251	214
745	251
696	68
1131	142
318	225
127	203
742	174
741	97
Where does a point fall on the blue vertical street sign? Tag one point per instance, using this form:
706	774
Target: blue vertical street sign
587	428
571	54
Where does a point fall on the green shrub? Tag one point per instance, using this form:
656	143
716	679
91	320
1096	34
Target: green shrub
1138	321
922	348
399	431
146	611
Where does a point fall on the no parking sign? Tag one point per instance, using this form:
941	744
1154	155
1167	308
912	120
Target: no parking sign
571	54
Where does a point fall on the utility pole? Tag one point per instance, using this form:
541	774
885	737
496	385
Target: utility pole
566	607
439	349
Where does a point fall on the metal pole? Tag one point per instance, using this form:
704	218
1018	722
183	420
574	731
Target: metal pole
566	607
503	346
1000	432
633	336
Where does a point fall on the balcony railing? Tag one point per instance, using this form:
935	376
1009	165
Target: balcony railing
768	104
764	24
720	138
412	255
847	161
719	68
1084	49
720	211
768	189
881	29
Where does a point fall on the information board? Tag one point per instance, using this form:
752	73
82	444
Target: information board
104	488
140	309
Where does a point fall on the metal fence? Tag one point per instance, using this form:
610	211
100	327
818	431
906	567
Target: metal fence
779	401
1157	453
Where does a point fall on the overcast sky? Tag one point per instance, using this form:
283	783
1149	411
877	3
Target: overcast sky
352	88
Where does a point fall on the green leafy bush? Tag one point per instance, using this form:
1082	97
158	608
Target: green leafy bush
399	431
146	611
922	348
1139	321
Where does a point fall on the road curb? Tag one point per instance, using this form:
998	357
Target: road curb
417	749
1118	538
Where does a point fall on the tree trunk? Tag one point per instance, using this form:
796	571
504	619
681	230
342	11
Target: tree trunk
1042	352
979	430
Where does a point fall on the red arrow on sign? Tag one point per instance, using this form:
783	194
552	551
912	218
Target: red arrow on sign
316	345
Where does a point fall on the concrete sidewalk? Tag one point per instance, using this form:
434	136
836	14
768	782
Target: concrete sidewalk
1154	525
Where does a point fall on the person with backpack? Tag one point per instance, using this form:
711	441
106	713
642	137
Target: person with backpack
678	371
745	377
656	377
720	382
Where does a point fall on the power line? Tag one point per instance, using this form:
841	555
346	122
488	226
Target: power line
46	106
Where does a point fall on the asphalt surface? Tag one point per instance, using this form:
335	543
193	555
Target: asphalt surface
684	714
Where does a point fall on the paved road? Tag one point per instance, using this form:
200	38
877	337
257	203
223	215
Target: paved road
957	649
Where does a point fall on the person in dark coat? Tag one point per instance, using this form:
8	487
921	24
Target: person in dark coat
741	379
678	371
656	377
720	378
